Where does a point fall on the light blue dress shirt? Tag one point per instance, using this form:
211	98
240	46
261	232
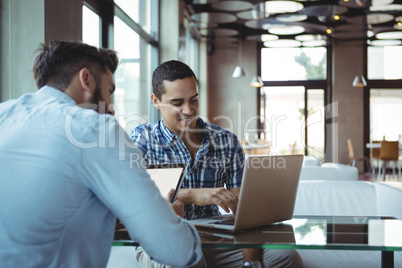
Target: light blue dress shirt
65	172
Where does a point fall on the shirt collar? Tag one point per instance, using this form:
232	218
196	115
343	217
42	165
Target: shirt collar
168	136
57	94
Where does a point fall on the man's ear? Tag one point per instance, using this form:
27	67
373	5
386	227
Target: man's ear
87	81
155	101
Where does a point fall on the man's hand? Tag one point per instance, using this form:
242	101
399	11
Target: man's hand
177	205
226	199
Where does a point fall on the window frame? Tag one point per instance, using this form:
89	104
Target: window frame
308	85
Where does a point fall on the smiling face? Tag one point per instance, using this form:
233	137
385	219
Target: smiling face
179	105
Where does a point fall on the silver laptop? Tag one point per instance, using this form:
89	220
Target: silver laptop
167	176
267	195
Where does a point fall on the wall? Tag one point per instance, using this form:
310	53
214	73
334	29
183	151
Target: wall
24	26
169	29
21	34
232	102
235	99
348	61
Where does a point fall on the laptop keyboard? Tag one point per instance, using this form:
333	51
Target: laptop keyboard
224	222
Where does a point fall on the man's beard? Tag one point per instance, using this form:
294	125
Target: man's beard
96	99
100	104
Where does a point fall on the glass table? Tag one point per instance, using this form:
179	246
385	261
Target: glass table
311	232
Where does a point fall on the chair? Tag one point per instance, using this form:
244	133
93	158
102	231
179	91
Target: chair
375	157
263	151
354	158
389	152
293	147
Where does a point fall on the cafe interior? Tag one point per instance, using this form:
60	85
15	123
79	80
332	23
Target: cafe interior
320	78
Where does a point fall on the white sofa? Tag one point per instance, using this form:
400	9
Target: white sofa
348	198
311	170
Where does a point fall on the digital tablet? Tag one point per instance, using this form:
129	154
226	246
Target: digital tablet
167	176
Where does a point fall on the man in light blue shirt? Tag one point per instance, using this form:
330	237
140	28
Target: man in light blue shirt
65	172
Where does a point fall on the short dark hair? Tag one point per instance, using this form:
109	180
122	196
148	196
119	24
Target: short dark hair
57	63
170	71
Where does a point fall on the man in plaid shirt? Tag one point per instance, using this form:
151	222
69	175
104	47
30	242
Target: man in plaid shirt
215	161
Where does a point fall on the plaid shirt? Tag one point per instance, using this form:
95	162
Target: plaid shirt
219	161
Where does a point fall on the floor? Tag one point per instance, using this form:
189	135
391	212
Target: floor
368	176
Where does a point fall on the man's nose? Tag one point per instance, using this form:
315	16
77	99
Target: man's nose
187	109
110	110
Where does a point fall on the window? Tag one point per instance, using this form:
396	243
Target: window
132	22
292	106
132	95
285	64
138	11
385	106
285	120
90	27
384	62
315	123
284	117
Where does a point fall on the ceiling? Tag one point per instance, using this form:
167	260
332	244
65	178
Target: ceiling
296	23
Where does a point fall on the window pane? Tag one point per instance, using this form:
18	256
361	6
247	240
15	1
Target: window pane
90	27
284	120
284	64
384	62
138	10
132	95
385	107
315	123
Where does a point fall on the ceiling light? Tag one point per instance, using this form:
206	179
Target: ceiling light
378	18
291	17
359	81
256	81
239	70
310	37
386	8
286	30
219	32
381	2
390	35
217	17
262	37
384	43
398	26
283	43
232	5
336	17
275	7
329	31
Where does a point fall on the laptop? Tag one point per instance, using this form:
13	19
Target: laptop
267	195
167	176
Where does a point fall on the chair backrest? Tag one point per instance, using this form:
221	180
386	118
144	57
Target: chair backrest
389	150
263	151
350	149
375	152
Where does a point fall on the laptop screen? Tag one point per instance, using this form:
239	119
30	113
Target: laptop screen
167	176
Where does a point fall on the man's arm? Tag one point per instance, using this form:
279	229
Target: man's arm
134	198
225	198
